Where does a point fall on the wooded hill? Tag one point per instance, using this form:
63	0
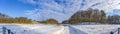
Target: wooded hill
92	15
7	19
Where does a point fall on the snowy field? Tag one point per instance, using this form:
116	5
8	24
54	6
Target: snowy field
32	28
97	29
55	29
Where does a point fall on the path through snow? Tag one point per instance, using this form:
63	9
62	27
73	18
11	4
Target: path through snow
73	30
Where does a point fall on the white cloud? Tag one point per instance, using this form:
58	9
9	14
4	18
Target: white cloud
63	9
29	1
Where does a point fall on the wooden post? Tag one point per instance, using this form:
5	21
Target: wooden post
4	30
111	32
118	30
9	31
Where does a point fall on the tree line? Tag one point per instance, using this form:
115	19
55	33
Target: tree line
49	21
24	20
6	19
92	15
89	15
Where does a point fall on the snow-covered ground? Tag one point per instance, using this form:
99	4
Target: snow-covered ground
61	29
97	29
33	28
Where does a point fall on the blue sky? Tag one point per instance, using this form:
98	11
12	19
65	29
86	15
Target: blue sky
15	8
57	9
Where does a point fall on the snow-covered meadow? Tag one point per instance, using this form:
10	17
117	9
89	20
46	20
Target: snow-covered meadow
32	28
97	29
59	29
